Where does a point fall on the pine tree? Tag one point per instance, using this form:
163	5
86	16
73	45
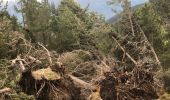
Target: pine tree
65	27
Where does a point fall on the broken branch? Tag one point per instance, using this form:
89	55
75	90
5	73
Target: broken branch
125	52
4	90
22	67
82	83
48	53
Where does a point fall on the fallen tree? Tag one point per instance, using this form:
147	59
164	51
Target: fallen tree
80	74
53	82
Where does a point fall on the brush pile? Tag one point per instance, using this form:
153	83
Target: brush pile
52	81
77	75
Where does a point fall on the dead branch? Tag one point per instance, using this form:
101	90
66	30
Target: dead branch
151	47
48	53
131	23
13	62
82	83
34	59
127	54
4	90
104	68
22	67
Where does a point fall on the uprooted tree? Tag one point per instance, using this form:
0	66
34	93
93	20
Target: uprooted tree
80	75
33	70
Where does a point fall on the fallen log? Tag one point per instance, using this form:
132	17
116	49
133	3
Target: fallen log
82	83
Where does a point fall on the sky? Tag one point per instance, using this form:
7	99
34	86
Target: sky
99	6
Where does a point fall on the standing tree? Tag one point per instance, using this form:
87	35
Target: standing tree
65	26
29	10
36	17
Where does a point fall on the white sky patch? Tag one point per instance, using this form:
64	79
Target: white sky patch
14	0
39	0
76	1
9	0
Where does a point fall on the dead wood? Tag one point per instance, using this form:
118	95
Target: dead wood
151	47
127	54
45	84
82	83
5	90
48	53
51	78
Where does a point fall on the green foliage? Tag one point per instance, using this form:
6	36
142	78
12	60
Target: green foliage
73	27
65	26
152	25
3	47
167	80
105	43
29	10
7	24
162	7
156	31
15	26
35	17
69	27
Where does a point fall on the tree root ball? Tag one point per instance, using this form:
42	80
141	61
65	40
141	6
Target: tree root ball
44	89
